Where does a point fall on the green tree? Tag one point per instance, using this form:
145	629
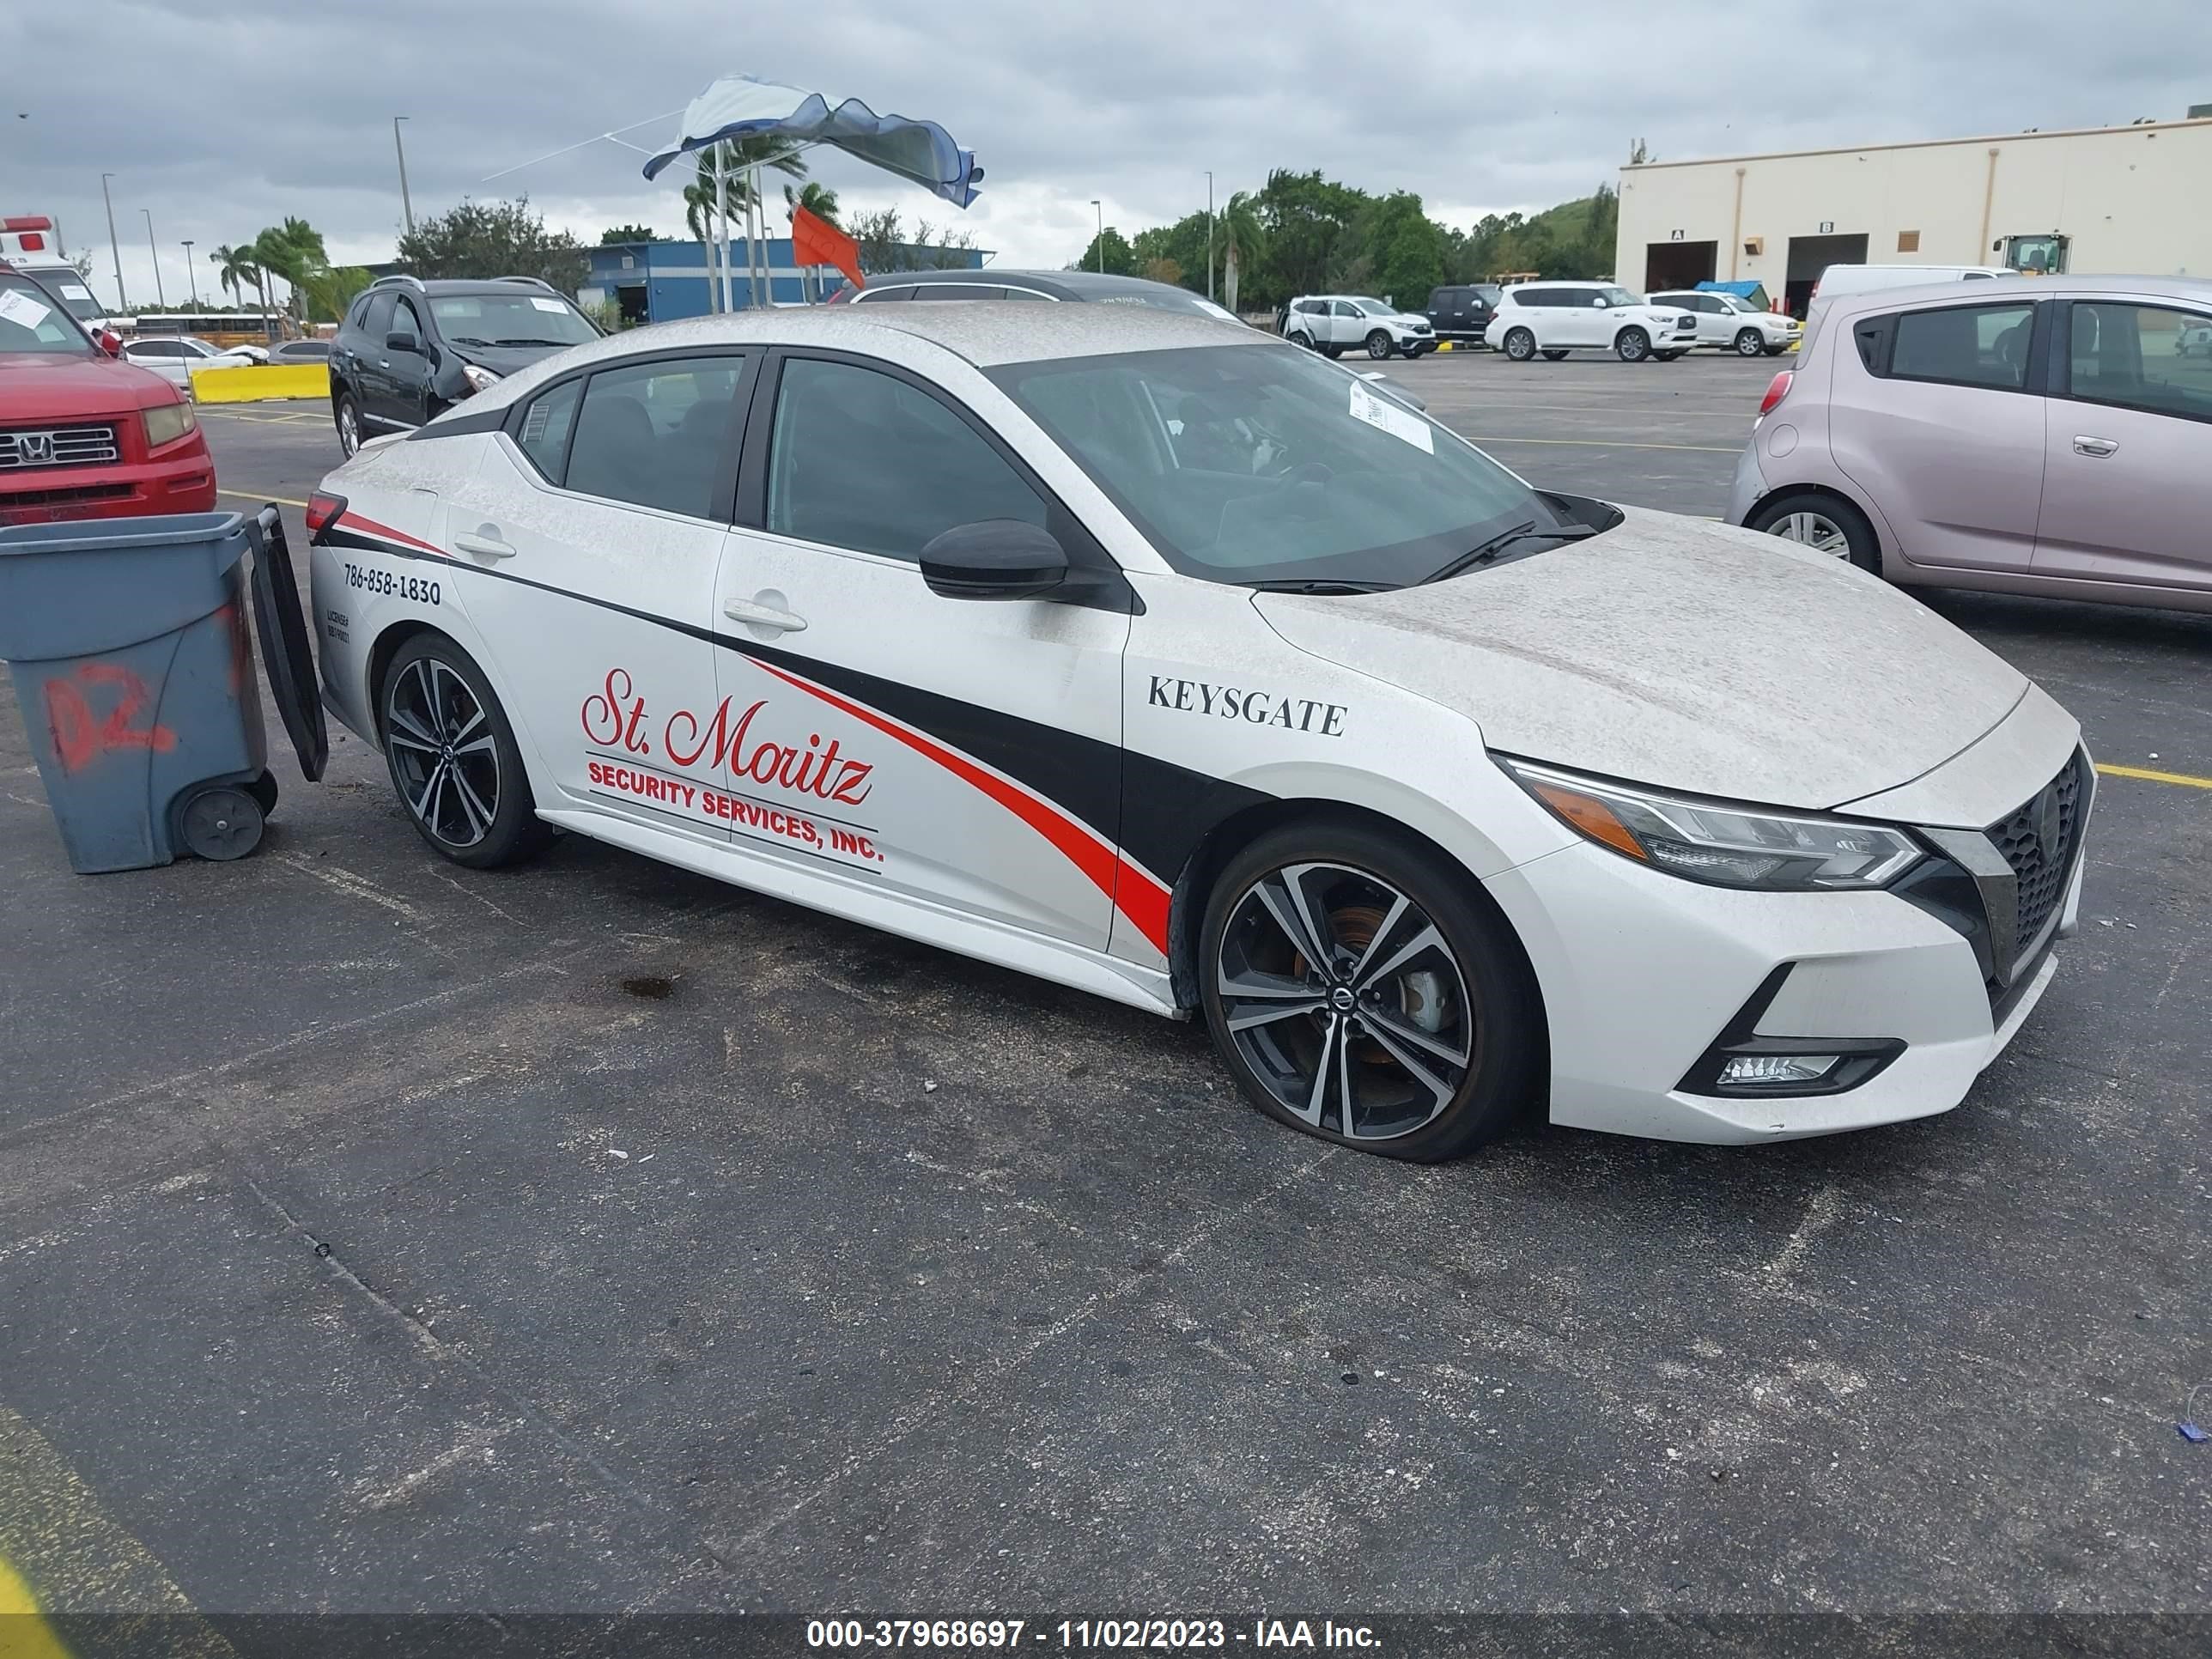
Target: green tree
237	270
620	235
1303	216
1392	248
493	239
1239	242
1109	252
817	198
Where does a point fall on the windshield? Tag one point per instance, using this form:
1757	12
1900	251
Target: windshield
1376	309
66	285
30	321
1266	464
510	319
1737	302
1618	296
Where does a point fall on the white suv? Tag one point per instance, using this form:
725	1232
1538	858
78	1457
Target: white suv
1332	324
1734	324
1557	318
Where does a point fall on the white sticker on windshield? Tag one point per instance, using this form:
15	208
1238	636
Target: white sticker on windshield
553	306
1395	419
75	291
20	308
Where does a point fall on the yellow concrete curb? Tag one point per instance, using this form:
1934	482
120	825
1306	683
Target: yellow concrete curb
258	381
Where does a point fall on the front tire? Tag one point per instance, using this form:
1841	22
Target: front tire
1378	346
1749	343
453	758
1631	345
348	416
1365	991
1520	344
1823	523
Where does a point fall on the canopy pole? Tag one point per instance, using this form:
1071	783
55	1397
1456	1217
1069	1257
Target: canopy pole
760	257
722	218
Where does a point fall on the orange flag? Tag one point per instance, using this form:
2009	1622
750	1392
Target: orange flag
816	241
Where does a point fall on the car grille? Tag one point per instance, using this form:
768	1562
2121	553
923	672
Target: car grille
60	445
15	498
2038	841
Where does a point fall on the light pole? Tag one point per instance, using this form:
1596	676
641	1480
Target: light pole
406	205
1209	233
154	252
122	299
191	276
1101	236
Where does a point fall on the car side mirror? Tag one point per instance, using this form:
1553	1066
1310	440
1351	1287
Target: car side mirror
1599	302
995	559
111	342
398	341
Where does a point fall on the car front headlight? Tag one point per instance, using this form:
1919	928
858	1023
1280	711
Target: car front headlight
1717	843
167	422
479	379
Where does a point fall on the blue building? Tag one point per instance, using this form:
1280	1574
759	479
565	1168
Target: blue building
661	281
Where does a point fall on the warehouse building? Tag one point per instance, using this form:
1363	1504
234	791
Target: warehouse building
2103	199
661	281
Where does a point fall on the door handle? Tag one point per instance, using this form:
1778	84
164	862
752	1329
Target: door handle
2096	446
484	547
763	615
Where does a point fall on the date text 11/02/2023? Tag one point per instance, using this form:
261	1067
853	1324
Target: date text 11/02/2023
1088	1634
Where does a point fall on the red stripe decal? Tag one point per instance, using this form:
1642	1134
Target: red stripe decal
370	527
1136	892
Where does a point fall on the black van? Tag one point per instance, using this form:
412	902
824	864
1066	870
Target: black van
1461	312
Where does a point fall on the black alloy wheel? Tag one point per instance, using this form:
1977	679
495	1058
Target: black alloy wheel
1360	992
454	757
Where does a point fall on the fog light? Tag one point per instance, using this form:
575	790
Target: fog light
1778	1068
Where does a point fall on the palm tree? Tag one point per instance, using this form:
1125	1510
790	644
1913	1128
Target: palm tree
817	198
1236	230
293	250
237	270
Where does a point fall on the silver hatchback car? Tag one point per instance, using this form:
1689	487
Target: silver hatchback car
2046	435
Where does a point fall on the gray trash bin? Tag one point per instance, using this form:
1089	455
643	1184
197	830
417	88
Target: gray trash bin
134	670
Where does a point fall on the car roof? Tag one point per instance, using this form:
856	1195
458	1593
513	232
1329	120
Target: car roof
1062	284
987	334
2195	290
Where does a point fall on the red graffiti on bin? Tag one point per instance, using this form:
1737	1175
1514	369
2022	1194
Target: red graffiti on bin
80	737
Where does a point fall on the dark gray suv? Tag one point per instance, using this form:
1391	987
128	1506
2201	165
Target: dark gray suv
409	349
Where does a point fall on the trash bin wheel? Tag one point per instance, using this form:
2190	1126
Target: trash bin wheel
264	790
222	822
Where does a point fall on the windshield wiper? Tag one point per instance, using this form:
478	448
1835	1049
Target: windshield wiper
1319	585
1485	551
531	342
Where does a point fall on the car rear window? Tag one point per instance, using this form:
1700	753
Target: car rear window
1963	345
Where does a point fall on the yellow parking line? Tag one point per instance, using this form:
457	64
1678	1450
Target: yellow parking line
1600	443
2149	776
59	1552
243	496
23	1633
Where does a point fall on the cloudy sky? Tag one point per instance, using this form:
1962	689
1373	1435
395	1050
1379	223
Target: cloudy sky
222	117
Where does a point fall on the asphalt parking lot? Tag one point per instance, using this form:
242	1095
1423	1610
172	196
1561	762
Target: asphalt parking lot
378	1236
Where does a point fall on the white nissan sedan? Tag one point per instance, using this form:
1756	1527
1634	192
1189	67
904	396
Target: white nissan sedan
1153	657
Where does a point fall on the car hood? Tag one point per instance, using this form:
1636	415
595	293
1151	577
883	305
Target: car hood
504	360
1686	655
63	386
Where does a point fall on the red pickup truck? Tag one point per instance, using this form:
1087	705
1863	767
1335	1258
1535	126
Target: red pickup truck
83	434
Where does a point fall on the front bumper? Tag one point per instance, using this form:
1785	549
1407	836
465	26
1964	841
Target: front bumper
1643	972
178	483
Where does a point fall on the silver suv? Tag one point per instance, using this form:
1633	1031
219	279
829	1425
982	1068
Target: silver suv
1334	323
2048	435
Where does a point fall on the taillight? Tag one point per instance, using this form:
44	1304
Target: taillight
1777	391
323	511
